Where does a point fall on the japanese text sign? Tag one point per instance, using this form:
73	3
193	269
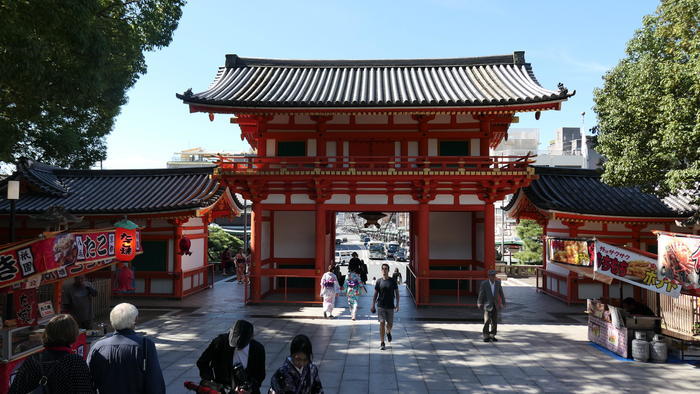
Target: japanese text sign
634	268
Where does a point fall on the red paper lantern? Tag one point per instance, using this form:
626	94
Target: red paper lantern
185	245
125	240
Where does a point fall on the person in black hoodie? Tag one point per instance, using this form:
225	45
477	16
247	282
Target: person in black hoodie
228	355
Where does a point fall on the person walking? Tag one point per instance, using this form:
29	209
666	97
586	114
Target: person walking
353	288
226	260
77	300
239	260
234	359
491	299
385	291
125	362
329	290
60	370
363	271
354	263
298	374
397	276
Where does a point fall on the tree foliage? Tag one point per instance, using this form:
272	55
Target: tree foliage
220	240
65	70
531	234
649	107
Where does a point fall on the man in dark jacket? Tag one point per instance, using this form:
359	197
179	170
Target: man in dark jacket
354	263
125	362
230	351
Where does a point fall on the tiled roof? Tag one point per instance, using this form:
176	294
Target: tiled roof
581	191
476	81
114	191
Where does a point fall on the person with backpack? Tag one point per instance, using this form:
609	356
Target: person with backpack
125	362
57	369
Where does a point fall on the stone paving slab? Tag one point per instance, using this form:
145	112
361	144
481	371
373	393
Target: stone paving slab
542	347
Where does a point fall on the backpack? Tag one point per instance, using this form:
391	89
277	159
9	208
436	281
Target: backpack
45	370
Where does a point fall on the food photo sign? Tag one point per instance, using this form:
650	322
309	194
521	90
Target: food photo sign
570	251
679	259
635	268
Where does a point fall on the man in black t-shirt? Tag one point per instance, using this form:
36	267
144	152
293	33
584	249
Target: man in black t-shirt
385	290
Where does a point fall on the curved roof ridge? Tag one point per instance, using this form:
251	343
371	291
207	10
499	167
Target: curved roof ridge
138	172
233	60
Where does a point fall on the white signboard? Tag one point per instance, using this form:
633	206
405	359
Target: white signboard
45	308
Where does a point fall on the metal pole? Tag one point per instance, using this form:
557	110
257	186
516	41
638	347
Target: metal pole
503	232
12	220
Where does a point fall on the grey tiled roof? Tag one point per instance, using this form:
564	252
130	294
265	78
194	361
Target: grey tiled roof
477	81
113	191
581	191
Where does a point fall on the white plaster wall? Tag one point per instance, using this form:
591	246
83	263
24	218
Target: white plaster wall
365	119
196	260
450	235
464	118
404	199
557	269
330	149
556	224
273	199
192	232
479	242
617	227
161	286
469	199
279	119
591	226
265	241
194	222
432	147
397	148
295	234
474	146
301	199
339	199
271	148
372	199
442	199
413	148
311	147
346	149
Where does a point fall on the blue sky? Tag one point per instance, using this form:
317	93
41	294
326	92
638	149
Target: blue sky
565	41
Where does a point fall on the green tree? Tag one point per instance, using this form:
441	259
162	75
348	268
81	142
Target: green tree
65	70
531	234
220	240
649	106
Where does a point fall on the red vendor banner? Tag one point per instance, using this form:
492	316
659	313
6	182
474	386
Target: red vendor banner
679	259
72	253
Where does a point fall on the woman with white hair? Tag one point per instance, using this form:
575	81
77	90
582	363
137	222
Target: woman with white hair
125	362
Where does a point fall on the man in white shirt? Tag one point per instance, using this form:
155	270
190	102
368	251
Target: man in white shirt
491	300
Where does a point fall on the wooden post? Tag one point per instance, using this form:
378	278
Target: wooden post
423	266
320	248
256	242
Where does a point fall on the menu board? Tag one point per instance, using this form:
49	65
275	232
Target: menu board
570	251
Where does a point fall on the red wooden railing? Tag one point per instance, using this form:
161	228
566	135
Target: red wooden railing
344	163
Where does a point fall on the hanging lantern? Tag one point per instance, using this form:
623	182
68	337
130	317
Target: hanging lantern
125	240
185	245
372	218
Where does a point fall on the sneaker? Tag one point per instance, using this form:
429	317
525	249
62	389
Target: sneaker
487	339
382	346
493	339
331	316
388	336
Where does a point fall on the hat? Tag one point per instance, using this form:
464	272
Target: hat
492	272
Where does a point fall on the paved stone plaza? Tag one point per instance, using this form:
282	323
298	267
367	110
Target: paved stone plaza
542	346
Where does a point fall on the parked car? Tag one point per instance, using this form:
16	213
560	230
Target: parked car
342	257
401	255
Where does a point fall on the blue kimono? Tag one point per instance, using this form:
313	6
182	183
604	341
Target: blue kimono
287	380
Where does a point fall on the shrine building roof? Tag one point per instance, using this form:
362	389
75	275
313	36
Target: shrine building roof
455	82
581	191
113	191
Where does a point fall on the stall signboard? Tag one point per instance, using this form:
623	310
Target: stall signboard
84	250
631	267
679	259
25	307
573	251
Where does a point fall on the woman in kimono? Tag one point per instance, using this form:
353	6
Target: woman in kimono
353	285
298	374
329	290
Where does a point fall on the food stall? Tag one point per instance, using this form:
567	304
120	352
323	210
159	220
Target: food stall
608	325
49	260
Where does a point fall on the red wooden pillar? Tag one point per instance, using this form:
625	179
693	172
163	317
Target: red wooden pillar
320	248
423	261
256	242
489	237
